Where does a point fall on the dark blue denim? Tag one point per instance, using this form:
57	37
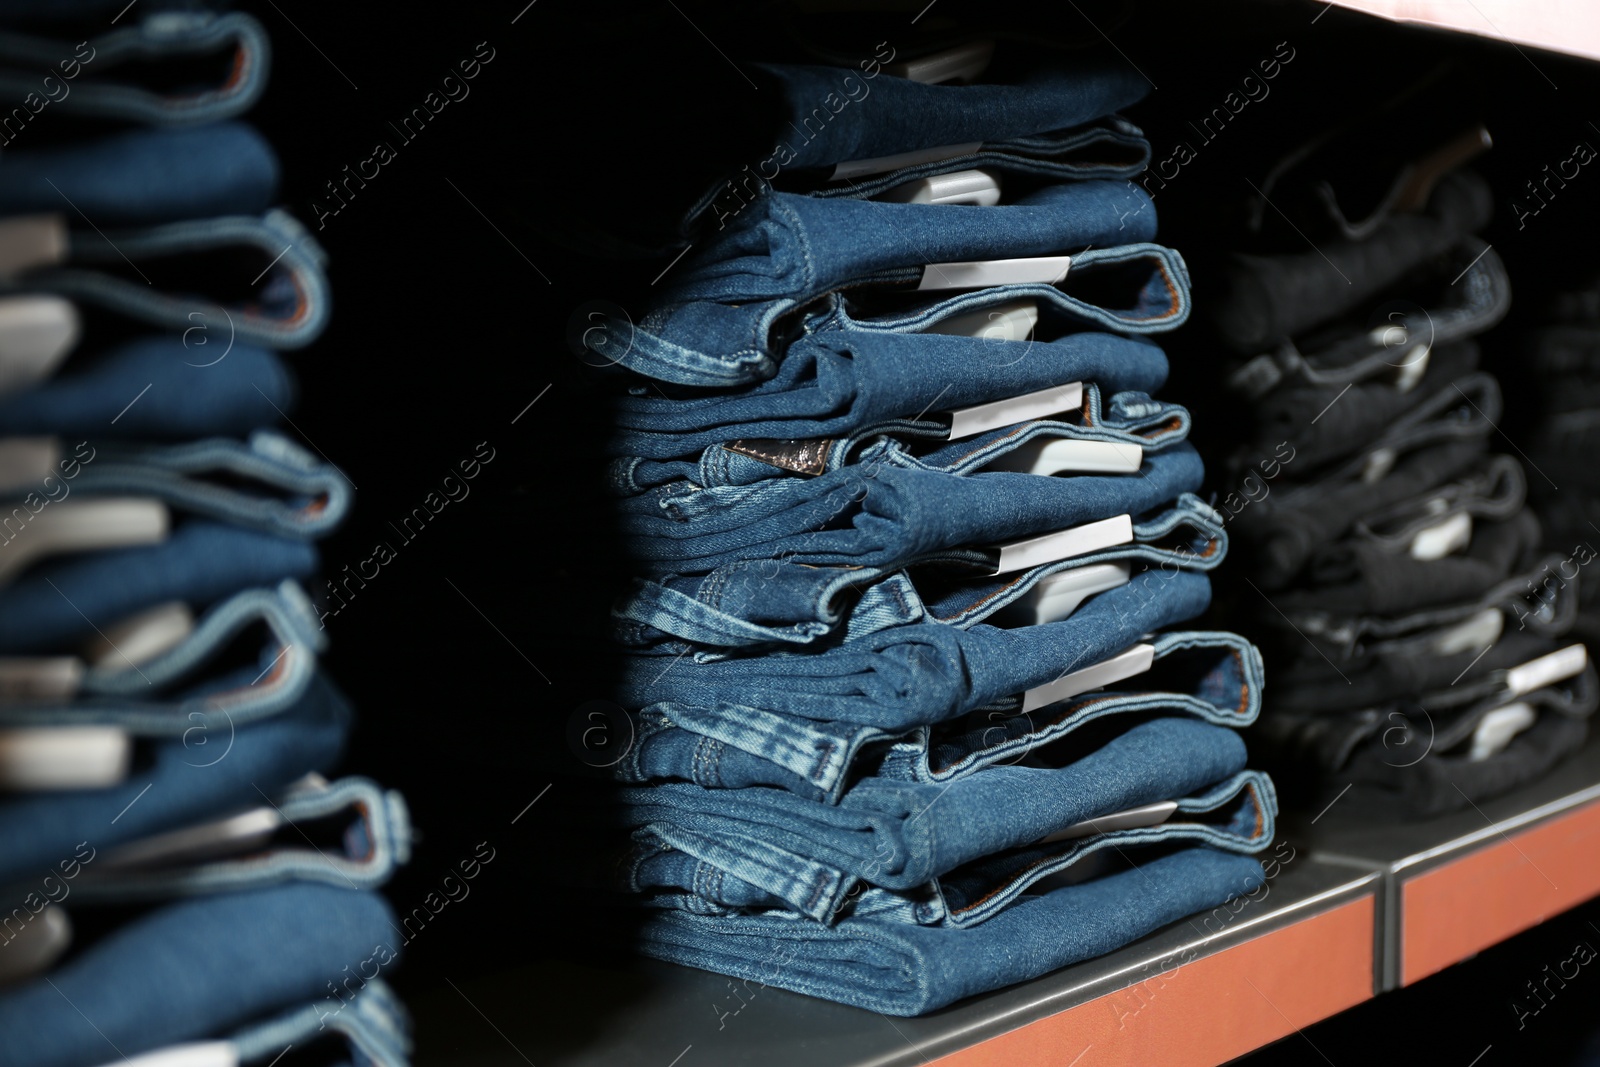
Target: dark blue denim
1137	289
776	604
197	387
57	604
1039	94
836	384
144	177
270	483
33	62
176	781
798	247
290	307
883	516
156	980
904	676
1216	677
905	969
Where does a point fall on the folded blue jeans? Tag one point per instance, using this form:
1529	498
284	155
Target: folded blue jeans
905	676
156	980
59	603
270	483
776	604
145	177
1138	289
179	780
1215	677
167	35
159	388
376	1029
288	310
879	515
798	248
836	383
905	969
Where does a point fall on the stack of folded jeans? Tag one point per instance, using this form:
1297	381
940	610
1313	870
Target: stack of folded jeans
915	545
1394	564
177	873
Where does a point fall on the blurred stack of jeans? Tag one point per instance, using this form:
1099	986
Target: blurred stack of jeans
164	725
1394	566
909	521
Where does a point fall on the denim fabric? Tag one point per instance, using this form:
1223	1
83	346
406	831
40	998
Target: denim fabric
776	604
798	248
57	604
182	780
909	675
174	35
197	389
144	177
1216	677
1363	578
1476	295
1137	288
1038	94
1330	422
904	969
1111	147
155	981
841	383
1130	419
1266	299
1495	490
270	483
891	834
288	310
1285	529
373	1023
172	701
883	516
375	841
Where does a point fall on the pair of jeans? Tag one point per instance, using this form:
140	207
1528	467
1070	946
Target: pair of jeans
1399	336
180	780
375	839
288	309
178	36
1265	299
903	676
1357	577
58	603
882	516
269	483
906	969
760	847
792	247
1132	420
193	969
1215	677
1137	289
376	1030
144	177
836	384
777	604
198	386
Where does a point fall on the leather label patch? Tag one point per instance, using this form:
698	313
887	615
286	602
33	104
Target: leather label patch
802	457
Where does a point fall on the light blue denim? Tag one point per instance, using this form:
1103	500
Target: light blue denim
778	604
374	1025
905	969
177	35
271	483
290	310
1215	677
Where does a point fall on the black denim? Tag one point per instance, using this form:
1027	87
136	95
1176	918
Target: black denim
1267	299
1330	422
1358	577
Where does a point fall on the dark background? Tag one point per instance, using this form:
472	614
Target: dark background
475	655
